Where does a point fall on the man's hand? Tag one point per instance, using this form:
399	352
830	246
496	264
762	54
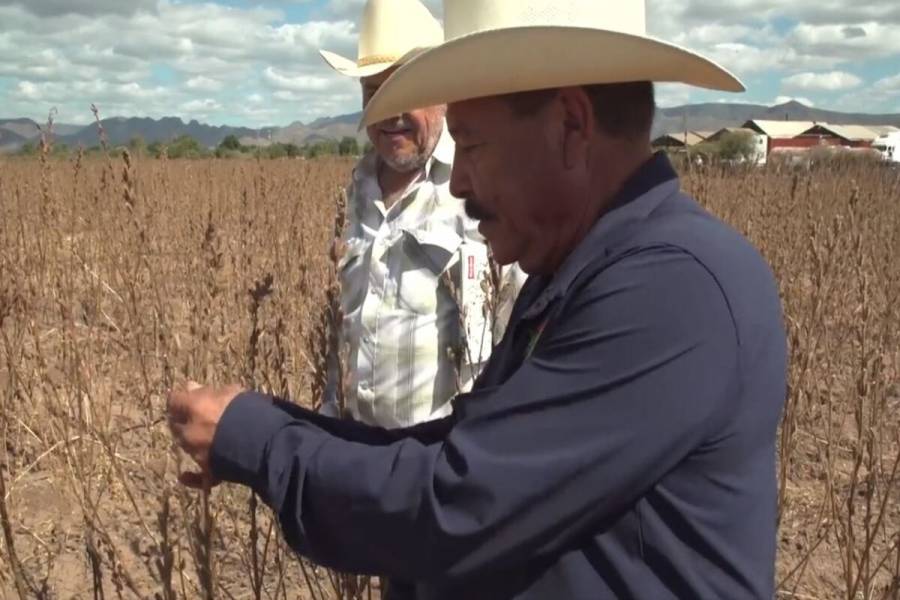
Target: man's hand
194	413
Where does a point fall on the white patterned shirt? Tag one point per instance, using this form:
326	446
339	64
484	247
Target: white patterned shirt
408	354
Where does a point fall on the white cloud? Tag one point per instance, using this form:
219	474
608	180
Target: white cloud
857	41
155	62
172	57
351	9
202	83
889	85
28	90
205	105
672	94
50	8
298	83
826	82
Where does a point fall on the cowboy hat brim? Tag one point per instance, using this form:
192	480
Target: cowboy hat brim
347	67
518	59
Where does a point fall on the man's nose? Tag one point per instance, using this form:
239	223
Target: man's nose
460	185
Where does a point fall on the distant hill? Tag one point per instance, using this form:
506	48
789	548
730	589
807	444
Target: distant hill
351	119
326	128
10	140
28	128
120	130
712	117
24	128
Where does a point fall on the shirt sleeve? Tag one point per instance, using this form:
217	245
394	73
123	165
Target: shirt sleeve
621	388
354	431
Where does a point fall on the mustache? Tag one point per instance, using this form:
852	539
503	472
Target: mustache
474	211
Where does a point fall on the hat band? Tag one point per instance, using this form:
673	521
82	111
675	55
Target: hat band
376	59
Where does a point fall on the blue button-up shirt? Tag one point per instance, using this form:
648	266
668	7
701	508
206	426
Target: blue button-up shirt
619	444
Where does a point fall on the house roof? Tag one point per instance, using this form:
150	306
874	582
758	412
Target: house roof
779	129
679	138
853	133
693	138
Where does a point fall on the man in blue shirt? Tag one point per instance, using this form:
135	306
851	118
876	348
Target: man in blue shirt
621	441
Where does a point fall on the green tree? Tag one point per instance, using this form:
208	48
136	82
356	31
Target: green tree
60	149
185	147
323	148
231	142
276	151
736	145
293	150
348	146
28	149
137	145
155	149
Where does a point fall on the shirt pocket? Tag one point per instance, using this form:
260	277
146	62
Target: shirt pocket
422	257
353	274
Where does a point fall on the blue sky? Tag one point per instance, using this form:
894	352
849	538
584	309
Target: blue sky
255	63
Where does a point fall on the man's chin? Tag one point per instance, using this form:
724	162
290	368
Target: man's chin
402	163
501	254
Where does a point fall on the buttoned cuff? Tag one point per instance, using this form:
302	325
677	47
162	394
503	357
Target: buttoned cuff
241	442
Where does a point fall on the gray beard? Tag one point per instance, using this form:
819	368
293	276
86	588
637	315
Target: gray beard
415	161
407	164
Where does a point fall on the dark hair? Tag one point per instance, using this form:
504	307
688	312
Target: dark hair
622	110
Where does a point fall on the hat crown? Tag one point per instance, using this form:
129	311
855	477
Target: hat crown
391	28
464	17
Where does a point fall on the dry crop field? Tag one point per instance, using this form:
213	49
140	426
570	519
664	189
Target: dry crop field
121	277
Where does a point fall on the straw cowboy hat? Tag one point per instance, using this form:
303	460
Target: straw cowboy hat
497	47
389	30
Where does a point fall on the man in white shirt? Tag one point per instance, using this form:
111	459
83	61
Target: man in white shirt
422	307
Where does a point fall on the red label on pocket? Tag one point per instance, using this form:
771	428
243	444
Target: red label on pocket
471	267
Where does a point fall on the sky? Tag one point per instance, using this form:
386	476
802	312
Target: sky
256	63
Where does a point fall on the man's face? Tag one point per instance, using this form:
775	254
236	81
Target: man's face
508	169
404	142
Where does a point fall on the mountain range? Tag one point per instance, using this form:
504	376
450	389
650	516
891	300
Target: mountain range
120	130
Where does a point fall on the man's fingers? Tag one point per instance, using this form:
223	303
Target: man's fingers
191	480
191	441
180	400
197	481
178	406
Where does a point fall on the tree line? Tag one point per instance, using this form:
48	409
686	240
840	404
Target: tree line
186	146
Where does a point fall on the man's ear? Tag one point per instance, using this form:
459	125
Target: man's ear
578	125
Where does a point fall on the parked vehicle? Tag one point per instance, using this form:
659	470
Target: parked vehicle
889	146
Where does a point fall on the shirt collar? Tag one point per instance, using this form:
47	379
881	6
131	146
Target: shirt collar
653	182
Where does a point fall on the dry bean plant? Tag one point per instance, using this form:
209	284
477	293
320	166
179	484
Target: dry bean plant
832	236
120	277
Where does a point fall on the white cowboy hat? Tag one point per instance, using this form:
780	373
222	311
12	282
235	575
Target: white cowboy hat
496	47
390	29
